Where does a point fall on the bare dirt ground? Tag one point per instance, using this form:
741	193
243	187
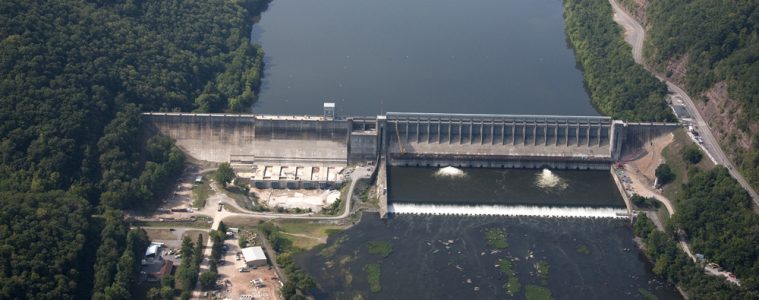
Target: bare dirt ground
644	167
300	198
239	283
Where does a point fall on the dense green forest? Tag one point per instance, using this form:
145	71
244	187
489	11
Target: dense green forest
720	40
74	78
618	86
714	215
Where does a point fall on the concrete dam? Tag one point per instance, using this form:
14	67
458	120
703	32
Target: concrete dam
288	151
407	139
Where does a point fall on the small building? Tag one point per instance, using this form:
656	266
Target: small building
254	256
165	269
152	254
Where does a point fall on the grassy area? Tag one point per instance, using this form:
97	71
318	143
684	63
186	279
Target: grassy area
496	238
535	292
330	250
244	200
647	295
541	268
512	285
200	222
673	154
160	234
379	248
307	234
583	250
373	275
231	208
200	194
193	234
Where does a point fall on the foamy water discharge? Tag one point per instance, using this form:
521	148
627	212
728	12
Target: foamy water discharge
450	172
548	180
506	210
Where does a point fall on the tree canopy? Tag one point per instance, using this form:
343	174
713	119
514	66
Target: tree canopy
224	174
618	86
41	244
717	41
75	76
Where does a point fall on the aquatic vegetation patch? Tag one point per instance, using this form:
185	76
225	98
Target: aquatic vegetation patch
646	294
373	276
536	292
512	285
330	250
583	249
379	248
541	268
496	238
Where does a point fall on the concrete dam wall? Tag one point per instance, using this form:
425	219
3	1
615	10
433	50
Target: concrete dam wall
255	138
630	138
498	140
407	139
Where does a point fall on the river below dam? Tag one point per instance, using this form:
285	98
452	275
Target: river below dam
445	257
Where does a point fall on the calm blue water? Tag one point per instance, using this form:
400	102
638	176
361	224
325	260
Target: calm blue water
374	56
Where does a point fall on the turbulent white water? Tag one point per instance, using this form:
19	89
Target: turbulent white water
450	172
549	180
505	210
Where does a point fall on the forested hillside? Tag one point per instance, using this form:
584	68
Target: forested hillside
74	77
618	86
713	213
715	216
712	47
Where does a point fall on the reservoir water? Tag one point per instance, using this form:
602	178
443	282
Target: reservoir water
374	56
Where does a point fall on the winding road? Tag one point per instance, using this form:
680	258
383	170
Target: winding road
635	35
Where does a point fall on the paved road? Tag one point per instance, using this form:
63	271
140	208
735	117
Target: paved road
635	34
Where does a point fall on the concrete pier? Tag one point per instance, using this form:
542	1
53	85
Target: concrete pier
621	188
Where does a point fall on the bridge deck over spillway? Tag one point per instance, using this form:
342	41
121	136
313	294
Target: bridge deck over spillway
425	135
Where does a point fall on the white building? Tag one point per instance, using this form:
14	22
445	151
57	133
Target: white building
254	256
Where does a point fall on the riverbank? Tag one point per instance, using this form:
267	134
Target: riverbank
618	87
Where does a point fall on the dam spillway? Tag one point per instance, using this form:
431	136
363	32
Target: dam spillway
501	141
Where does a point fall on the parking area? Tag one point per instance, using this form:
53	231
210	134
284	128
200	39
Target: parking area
258	283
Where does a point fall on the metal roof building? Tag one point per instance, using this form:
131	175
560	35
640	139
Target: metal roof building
254	256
